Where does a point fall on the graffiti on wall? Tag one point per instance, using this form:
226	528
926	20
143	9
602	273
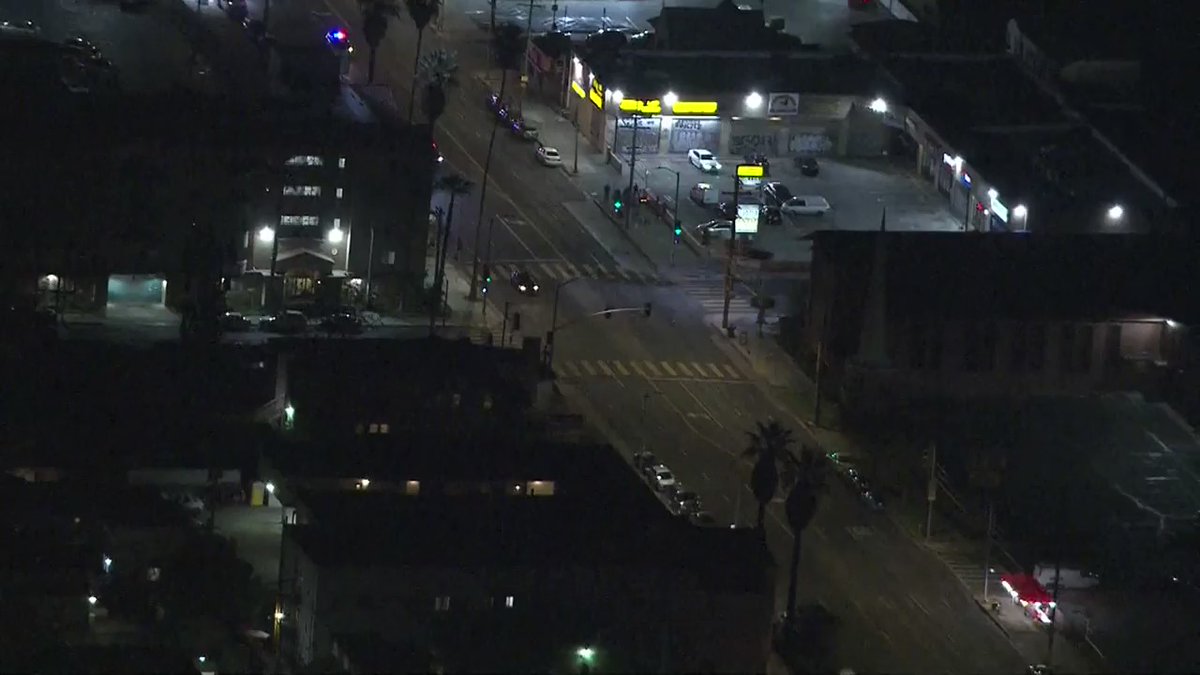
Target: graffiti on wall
809	143
744	144
688	134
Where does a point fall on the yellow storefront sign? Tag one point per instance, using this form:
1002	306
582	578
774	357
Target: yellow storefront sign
695	108
750	171
578	89
633	105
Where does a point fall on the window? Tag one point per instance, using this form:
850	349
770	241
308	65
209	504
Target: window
306	160
302	190
412	488
384	428
341	162
339	193
373	429
1037	346
337	222
509	601
306	221
441	603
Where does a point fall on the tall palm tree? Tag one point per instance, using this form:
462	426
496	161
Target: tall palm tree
810	480
454	185
375	15
421	12
769	447
437	71
508	48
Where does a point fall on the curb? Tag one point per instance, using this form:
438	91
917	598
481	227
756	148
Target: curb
992	616
645	256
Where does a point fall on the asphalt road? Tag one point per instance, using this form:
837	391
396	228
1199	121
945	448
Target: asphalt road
675	391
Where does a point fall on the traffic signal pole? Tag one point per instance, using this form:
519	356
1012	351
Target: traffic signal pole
737	184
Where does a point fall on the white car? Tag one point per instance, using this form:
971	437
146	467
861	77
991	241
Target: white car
807	205
663	478
549	156
704	160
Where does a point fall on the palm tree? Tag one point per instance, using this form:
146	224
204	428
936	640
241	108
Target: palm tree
437	71
811	473
422	12
375	15
455	185
508	47
768	446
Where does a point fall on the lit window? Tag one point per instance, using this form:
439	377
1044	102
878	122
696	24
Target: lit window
339	193
302	190
373	429
384	429
509	601
412	488
306	160
342	163
441	603
337	222
307	221
456	400
487	401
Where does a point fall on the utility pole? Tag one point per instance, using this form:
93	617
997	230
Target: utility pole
488	257
632	168
370	262
823	331
575	169
504	324
737	188
931	494
525	58
987	547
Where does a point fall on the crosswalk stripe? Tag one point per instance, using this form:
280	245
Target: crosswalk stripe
713	367
563	273
572	272
651	368
588	270
588	367
699	370
621	271
733	373
547	271
620	368
667	367
572	368
604	368
635	366
684	369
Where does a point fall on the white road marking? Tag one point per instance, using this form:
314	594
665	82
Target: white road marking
667	367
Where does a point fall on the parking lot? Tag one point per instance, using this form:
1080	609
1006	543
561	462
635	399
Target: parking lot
858	191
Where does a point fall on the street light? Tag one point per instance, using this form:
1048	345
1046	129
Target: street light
1020	211
336	235
670	99
618	96
585	654
92	600
753	100
270	488
267	234
879	105
1116	212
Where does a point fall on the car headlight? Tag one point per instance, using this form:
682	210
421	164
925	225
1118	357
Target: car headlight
522	287
535	287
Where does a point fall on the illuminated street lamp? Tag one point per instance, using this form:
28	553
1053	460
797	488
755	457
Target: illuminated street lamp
336	235
267	234
1116	212
270	488
753	100
670	99
618	96
92	600
1020	211
879	105
586	654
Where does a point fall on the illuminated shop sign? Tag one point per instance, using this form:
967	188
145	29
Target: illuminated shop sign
695	108
578	90
596	95
632	105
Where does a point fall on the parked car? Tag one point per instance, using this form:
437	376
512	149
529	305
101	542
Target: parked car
719	229
703	518
524	130
662	478
236	9
1068	577
234	322
761	160
82	45
548	156
686	502
524	282
343	323
642	460
285	323
703	160
256	29
808	205
808	166
775	194
19	28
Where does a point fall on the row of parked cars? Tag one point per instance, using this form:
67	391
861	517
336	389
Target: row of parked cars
858	484
680	500
342	321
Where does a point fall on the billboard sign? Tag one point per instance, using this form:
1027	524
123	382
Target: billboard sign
747	219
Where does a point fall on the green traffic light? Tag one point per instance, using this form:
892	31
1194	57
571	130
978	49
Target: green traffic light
678	231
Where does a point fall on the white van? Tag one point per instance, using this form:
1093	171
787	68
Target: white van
1068	577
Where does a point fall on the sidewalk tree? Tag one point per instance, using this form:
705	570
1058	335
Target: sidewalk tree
810	480
768	447
375	15
508	48
454	185
421	12
437	71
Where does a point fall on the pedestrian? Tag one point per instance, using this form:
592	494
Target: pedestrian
457	248
607	191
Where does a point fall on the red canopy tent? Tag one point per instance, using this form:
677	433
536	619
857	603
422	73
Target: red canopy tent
1026	591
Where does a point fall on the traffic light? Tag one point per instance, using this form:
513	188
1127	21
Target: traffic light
618	205
678	231
608	311
646	309
487	278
